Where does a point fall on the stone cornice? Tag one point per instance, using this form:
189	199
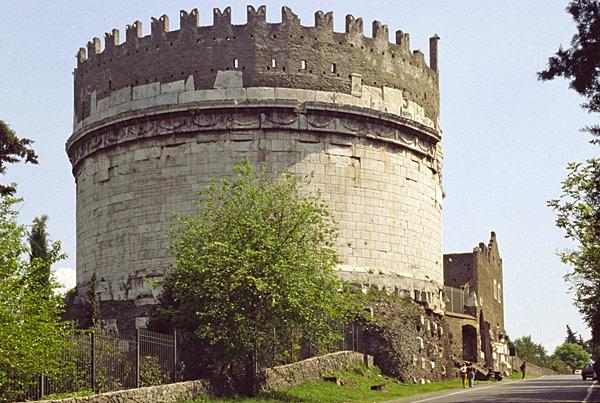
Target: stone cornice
201	116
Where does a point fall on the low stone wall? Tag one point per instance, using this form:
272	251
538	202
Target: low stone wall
174	392
539	371
285	376
532	369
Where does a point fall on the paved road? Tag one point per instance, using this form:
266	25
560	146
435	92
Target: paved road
558	388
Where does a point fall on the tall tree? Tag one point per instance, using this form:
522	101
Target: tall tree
39	248
580	63
31	332
578	209
254	271
13	149
571	336
578	215
93	305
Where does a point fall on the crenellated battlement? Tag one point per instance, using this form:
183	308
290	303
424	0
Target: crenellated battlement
489	251
282	54
222	19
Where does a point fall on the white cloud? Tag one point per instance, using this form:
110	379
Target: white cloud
66	278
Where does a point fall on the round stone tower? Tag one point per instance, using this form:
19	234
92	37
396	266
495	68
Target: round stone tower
158	116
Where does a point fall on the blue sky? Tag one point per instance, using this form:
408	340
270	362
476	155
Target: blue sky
507	137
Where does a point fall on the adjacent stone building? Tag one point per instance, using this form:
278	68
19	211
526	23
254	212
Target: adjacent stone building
475	305
157	116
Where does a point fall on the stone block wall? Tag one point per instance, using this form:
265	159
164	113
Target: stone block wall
389	218
139	163
175	392
311	369
532	369
144	141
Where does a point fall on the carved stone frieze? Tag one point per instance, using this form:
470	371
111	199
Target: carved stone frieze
207	120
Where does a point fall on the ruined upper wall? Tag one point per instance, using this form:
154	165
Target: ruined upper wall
284	54
482	269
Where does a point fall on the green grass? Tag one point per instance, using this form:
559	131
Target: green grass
356	388
516	375
80	393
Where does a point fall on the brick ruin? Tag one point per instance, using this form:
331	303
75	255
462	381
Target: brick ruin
475	305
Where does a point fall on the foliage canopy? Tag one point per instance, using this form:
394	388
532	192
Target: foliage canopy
13	149
31	331
578	215
572	354
571	336
578	209
530	351
580	63
38	244
253	274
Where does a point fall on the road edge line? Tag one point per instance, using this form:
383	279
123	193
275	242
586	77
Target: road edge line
590	391
457	393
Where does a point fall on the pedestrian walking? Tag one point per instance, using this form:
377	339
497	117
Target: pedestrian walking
523	368
597	368
463	374
471	374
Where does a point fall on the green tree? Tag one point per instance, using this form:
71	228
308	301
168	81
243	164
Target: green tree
254	271
31	332
559	366
13	149
572	354
580	63
93	314
38	244
578	209
578	215
571	336
531	351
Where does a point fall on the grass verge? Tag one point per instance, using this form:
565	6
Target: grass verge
356	388
80	393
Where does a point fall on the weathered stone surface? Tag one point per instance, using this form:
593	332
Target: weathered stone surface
286	55
365	124
478	275
174	392
286	376
402	345
532	369
229	79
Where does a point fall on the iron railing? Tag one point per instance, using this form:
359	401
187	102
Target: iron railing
455	299
100	362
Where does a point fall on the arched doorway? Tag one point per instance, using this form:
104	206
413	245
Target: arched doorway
469	343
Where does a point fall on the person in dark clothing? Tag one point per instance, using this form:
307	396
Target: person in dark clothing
597	368
523	368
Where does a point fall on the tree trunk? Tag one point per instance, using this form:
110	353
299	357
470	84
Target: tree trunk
250	369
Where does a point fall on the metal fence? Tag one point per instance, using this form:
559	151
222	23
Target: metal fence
455	299
101	362
291	346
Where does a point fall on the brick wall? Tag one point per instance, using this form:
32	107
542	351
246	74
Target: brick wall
330	57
